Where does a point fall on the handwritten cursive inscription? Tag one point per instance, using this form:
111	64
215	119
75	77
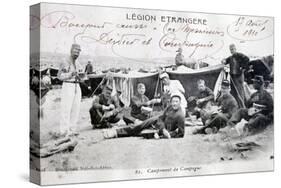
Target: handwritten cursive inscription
250	29
183	36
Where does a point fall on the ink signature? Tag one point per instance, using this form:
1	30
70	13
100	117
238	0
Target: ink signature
250	29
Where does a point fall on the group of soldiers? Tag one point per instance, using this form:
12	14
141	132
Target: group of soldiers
106	110
216	112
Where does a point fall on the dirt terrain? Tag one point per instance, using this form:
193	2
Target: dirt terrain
93	151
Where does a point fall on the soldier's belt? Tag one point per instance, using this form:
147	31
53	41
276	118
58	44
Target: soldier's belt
73	82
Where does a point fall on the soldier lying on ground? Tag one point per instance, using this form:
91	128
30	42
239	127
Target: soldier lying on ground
168	125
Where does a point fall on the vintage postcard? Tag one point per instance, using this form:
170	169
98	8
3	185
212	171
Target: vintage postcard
126	93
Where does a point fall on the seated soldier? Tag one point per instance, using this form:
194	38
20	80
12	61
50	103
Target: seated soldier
105	109
259	111
168	125
139	102
204	96
172	87
227	105
171	123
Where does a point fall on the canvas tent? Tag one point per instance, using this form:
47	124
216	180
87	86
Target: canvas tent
127	83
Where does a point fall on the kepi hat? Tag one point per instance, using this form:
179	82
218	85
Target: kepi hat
225	84
259	79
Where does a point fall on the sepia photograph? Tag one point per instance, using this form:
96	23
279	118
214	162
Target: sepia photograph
127	93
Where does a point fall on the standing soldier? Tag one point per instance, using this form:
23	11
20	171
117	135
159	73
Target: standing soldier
89	68
188	62
71	93
238	62
86	85
179	59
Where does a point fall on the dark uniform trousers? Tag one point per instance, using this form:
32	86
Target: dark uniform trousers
238	63
218	121
260	120
134	130
237	89
256	123
154	122
98	122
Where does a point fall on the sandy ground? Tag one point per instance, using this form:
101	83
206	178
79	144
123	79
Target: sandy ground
136	152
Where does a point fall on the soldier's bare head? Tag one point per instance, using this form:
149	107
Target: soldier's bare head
179	50
75	51
232	48
107	90
141	88
201	85
175	102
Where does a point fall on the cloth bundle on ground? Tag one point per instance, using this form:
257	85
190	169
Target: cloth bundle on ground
61	145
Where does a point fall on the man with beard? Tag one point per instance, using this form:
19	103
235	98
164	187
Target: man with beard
70	73
238	62
204	96
259	113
